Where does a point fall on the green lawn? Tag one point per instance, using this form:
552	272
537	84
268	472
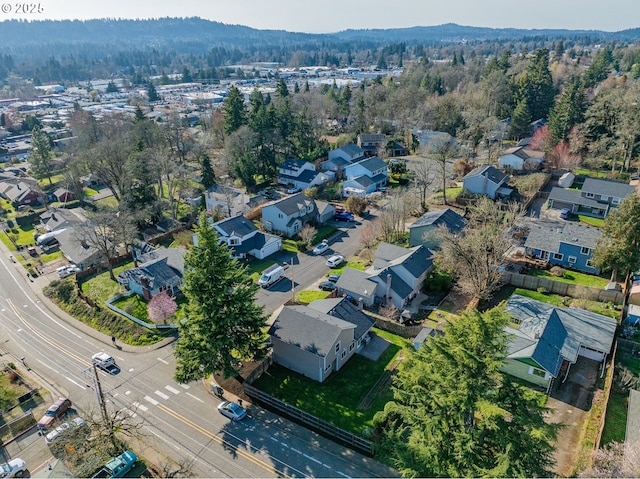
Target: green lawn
136	306
46	258
452	193
99	287
337	399
615	423
309	295
90	191
109	201
557	300
591	173
7	242
257	266
289	245
572	277
597	222
355	263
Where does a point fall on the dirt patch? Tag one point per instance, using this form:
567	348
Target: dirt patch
455	302
235	385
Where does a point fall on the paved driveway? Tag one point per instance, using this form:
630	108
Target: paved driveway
570	402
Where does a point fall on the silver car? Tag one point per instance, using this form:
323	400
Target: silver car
232	410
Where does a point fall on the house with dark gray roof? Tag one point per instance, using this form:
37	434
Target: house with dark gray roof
320	338
58	218
399	272
160	269
371	143
564	243
487	180
364	177
244	239
596	198
548	339
358	285
78	251
521	158
339	158
422	231
288	215
302	174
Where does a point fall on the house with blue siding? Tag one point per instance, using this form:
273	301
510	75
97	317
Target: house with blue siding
364	177
422	231
596	198
564	243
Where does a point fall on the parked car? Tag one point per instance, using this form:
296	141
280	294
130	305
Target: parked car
344	216
335	261
63	429
333	277
293	190
327	286
14	468
105	362
565	213
55	412
321	247
232	410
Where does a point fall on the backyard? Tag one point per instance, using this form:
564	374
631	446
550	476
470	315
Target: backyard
572	277
337	399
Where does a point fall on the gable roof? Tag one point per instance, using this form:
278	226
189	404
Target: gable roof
160	266
352	150
550	334
363	181
488	171
308	329
55	218
73	248
524	153
372	137
19	191
548	235
235	226
293	164
292	204
452	220
357	282
415	260
343	309
607	188
371	164
574	197
398	285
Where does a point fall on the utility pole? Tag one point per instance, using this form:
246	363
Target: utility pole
103	405
293	285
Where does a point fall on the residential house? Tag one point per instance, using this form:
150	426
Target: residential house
521	158
63	195
395	148
326	211
288	215
244	239
160	269
487	180
341	157
24	194
549	339
364	177
78	251
596	198
400	272
320	338
58	218
429	138
358	285
422	231
302	174
226	200
564	243
372	143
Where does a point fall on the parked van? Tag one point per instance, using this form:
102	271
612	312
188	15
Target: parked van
271	275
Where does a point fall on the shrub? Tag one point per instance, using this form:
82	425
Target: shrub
10	224
542	290
557	271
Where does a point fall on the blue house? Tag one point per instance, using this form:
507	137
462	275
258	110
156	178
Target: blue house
567	244
364	177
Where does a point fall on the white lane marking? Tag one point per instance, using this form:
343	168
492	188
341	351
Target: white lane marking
48	365
185	386
196	398
126	393
25	306
130	370
162	360
130	412
19	330
343	474
312	459
151	400
142	407
76	383
173	390
162	395
295	450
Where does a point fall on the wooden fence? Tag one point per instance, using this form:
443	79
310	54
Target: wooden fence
118	296
564	289
309	420
607	391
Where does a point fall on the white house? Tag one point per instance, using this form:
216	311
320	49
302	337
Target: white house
365	176
288	215
487	180
243	238
521	158
226	200
302	174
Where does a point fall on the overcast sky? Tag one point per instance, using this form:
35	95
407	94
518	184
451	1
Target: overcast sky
325	16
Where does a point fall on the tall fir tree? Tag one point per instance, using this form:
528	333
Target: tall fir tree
234	110
208	175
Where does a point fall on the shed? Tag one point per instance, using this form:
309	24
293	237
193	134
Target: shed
566	180
634	293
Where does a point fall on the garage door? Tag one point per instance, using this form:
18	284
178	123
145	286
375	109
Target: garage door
271	248
591	354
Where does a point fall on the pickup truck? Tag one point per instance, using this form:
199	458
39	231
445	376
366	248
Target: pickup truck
118	466
105	362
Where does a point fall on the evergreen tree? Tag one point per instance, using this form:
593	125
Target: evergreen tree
208	175
234	112
282	90
568	110
41	145
536	85
225	324
186	75
152	94
599	68
306	86
520	121
111	87
454	414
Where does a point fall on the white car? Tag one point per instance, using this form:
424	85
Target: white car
335	261
232	410
14	468
62	428
293	190
321	247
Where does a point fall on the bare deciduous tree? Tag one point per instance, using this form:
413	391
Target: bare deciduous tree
443	150
617	459
423	177
307	233
369	234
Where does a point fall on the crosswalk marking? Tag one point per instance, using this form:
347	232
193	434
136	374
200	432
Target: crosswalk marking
142	407
162	360
173	390
162	395
185	386
151	400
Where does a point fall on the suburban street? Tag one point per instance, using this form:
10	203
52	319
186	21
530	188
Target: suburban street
178	420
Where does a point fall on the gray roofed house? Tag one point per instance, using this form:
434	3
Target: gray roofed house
302	174
227	200
343	309
161	269
371	142
564	243
288	215
521	158
486	180
421	232
315	341
357	284
609	189
58	218
549	339
596	198
77	251
244	238
374	168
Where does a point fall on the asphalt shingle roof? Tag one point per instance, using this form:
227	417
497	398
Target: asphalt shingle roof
574	197
357	282
236	225
452	220
292	204
352	150
547	235
488	171
343	309
607	188
372	164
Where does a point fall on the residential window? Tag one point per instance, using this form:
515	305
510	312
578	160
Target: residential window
588	263
234	242
541	373
589	195
328	367
351	346
558	256
615	201
572	259
337	348
585	250
280	215
604	197
344	353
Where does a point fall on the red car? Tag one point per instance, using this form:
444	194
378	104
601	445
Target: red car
55	412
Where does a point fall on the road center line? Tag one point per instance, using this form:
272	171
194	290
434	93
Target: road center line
162	360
